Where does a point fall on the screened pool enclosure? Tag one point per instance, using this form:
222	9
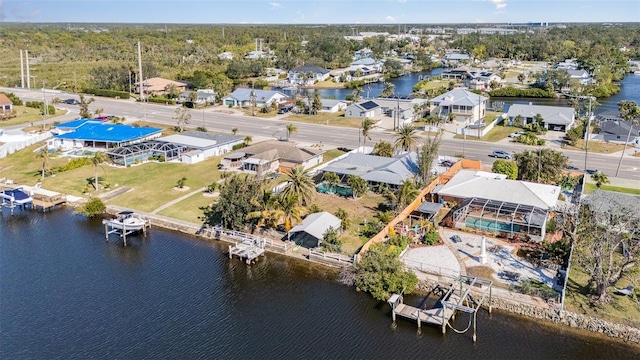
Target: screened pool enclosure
145	151
512	220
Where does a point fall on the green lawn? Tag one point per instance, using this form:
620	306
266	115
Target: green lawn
597	147
335	119
332	154
499	132
622	309
188	209
590	188
27	115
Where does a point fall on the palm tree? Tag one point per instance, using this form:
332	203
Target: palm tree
518	121
406	137
388	90
358	185
247	139
265	213
316	104
234	131
343	215
289	211
46	164
290	130
300	185
98	158
383	148
355	95
406	194
367	125
542	165
630	112
600	178
332	179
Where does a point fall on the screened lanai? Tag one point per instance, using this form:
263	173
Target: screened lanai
140	152
516	220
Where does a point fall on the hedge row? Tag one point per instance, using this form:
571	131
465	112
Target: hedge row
510	91
161	100
15	100
108	93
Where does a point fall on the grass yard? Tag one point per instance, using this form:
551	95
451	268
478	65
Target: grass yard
597	147
498	133
327	84
29	115
621	310
332	154
590	188
334	119
358	209
188	209
259	113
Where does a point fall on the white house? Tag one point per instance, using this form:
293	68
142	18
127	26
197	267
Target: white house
308	75
364	109
467	107
243	97
203	96
225	55
330	105
200	146
559	118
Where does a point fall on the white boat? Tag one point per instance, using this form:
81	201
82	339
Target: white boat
127	221
637	72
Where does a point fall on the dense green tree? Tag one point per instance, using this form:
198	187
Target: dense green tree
505	167
331	241
383	148
543	165
234	202
427	154
382	274
91	208
358	185
629	111
332	179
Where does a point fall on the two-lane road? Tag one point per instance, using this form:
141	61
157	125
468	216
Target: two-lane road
321	134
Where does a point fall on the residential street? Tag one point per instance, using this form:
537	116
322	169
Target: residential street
219	119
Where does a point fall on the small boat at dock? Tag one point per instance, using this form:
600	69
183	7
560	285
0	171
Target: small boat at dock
128	221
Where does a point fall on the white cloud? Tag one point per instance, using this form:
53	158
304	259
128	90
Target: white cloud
275	5
390	18
500	4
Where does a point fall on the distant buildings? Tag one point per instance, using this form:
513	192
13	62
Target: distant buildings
308	75
243	97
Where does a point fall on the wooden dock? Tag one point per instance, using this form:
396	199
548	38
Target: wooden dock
457	298
248	249
45	202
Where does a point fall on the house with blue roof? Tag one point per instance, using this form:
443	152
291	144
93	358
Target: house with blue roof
90	133
242	97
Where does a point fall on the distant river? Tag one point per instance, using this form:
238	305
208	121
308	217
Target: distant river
67	294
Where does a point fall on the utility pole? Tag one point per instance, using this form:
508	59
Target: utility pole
26	58
539	162
21	71
44	107
586	133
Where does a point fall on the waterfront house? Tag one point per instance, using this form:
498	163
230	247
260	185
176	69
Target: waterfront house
457	74
92	133
481	80
308	75
271	156
491	202
559	118
242	97
581	75
467	108
363	109
329	105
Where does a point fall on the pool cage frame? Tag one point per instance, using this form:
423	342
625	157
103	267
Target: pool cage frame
144	150
523	220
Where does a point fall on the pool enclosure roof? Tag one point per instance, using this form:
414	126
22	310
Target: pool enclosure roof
518	213
148	147
107	132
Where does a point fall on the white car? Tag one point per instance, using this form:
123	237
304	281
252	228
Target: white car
516	134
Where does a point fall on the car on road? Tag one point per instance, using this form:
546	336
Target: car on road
501	154
71	101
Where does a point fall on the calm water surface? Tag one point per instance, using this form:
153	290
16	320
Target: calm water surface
67	294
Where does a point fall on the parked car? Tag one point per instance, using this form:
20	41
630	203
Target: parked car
71	101
455	239
284	110
501	154
516	134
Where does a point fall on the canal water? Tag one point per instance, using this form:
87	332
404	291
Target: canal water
67	294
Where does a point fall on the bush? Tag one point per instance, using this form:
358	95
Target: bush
34	104
400	241
431	238
331	242
381	273
161	100
108	93
372	227
529	138
93	207
511	91
238	146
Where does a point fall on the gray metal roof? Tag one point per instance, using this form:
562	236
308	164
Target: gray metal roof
310	68
377	168
556	115
200	140
245	94
459	97
317	224
429	207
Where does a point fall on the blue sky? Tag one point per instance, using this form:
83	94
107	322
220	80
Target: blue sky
319	11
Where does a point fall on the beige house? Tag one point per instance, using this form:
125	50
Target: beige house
467	108
270	156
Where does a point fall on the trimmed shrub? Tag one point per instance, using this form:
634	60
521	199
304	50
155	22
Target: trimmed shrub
14	99
108	93
161	100
511	91
238	146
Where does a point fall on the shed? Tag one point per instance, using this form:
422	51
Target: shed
313	228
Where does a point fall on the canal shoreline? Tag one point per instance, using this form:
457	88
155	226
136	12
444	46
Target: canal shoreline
622	332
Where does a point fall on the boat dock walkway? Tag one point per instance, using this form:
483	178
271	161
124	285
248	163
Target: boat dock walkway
248	249
456	298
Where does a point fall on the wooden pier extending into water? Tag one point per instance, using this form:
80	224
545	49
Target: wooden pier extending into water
457	298
248	249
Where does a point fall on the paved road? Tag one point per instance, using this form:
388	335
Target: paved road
322	134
